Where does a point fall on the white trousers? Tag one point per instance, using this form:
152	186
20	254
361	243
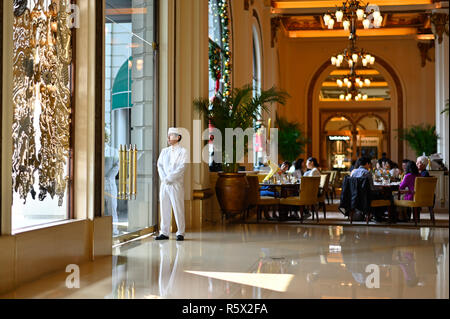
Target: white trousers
172	196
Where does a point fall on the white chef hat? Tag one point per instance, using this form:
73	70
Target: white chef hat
174	130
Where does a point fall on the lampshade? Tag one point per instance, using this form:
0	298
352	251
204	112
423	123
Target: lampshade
366	24
360	14
333	60
346	25
339	16
326	19
376	15
330	24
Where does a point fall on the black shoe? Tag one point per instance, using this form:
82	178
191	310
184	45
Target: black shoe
180	238
162	237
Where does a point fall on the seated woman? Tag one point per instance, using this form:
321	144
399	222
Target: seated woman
297	168
313	167
411	172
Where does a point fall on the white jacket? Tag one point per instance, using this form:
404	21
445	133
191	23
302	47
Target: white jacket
313	172
172	164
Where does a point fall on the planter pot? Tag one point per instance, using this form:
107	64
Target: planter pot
232	193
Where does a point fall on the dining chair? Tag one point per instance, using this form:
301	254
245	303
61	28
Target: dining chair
332	185
323	188
308	197
378	203
424	189
359	196
262	203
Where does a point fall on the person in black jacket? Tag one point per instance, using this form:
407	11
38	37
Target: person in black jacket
364	191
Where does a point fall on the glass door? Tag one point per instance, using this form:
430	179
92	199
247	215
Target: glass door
130	115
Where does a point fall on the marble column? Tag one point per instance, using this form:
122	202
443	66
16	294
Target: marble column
191	81
442	56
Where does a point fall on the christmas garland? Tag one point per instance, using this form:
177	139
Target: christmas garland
215	60
220	58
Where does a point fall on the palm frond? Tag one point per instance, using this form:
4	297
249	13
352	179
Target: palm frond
291	139
239	110
421	138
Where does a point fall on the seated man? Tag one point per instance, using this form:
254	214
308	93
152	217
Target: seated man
422	163
362	170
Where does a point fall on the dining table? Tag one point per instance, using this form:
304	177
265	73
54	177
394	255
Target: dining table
283	190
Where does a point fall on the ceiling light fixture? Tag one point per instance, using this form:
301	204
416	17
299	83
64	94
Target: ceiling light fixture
351	12
351	84
353	57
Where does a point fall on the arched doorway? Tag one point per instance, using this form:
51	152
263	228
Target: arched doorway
387	107
338	134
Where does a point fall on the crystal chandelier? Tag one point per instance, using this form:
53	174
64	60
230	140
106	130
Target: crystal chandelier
351	12
352	82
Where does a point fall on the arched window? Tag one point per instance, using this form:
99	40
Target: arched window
219	48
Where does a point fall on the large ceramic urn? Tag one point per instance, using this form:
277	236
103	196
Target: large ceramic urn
232	193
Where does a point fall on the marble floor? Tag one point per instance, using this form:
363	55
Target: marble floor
262	261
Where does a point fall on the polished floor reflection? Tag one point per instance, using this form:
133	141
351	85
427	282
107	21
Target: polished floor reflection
267	261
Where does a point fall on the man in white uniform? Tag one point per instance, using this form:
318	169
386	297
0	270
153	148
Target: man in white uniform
171	167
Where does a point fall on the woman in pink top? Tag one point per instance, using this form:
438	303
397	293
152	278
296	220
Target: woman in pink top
411	172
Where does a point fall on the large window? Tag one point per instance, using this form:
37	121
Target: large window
258	146
42	108
130	115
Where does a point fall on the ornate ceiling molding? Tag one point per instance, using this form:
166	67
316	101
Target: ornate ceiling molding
275	24
440	25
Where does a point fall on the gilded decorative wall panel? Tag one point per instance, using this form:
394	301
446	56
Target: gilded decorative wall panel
42	98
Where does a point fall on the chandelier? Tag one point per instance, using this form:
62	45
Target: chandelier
351	12
353	57
352	82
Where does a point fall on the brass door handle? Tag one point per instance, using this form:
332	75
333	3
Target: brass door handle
127	172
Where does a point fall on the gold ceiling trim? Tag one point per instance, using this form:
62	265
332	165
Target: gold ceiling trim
362	72
329	3
372	84
344	34
42	58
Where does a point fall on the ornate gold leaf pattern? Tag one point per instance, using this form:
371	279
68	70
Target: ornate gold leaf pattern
41	73
24	148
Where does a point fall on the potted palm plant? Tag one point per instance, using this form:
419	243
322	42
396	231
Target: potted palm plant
291	139
238	110
421	138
